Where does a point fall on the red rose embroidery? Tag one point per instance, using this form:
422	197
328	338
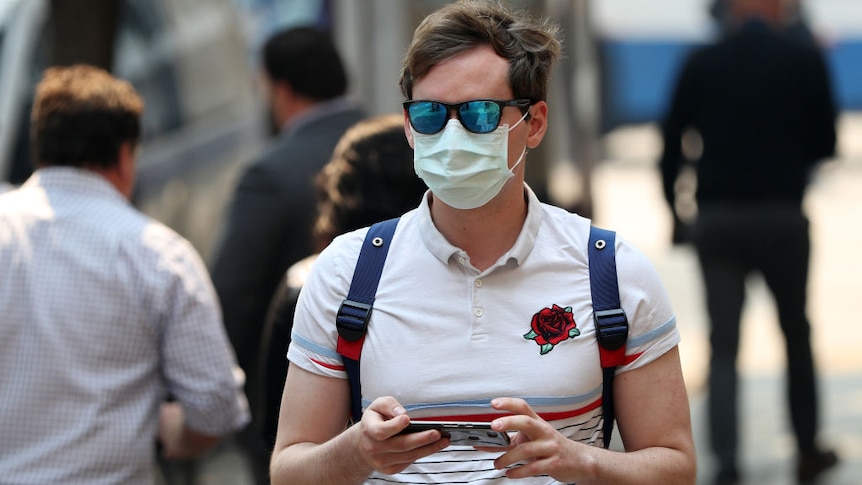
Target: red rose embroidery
551	326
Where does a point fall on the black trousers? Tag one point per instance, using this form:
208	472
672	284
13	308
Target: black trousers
733	241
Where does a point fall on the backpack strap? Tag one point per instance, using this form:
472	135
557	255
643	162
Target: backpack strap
355	311
612	326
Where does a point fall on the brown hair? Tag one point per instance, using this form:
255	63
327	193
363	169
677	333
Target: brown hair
81	115
531	46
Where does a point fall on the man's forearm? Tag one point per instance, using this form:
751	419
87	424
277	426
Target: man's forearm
193	444
650	465
180	442
336	461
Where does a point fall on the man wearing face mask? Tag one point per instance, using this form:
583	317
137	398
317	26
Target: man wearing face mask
469	273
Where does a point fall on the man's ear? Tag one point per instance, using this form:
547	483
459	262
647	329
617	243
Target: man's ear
538	124
281	100
126	167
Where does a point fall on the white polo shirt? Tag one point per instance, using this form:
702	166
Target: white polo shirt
444	338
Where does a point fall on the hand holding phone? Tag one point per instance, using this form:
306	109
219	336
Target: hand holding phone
462	433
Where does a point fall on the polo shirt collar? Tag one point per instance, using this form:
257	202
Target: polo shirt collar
445	251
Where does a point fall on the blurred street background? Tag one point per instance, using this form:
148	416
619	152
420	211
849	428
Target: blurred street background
195	64
629	198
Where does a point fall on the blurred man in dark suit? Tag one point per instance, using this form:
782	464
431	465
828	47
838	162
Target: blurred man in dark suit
269	221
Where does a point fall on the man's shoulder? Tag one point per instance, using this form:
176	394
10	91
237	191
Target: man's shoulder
146	240
314	142
343	118
337	260
10	200
326	128
267	172
569	224
346	245
344	249
153	240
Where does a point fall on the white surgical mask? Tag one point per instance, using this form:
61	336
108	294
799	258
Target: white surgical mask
463	169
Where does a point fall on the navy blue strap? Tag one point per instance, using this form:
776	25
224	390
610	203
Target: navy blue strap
355	311
611	323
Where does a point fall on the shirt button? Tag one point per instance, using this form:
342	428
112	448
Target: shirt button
478	283
462	259
478	312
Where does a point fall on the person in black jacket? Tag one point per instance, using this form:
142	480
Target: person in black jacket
268	225
762	104
369	179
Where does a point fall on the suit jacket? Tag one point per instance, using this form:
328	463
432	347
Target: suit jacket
268	228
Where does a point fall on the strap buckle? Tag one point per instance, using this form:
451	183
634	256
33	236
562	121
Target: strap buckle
612	327
352	319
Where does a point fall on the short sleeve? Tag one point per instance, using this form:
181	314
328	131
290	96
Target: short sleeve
314	336
652	324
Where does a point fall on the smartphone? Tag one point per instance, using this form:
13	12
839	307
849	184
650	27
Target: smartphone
462	433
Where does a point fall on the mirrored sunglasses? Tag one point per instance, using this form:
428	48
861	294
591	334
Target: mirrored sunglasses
478	116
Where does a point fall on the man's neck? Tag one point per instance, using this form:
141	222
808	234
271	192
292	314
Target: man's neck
485	233
295	111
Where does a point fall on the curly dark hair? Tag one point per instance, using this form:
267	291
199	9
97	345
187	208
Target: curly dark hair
370	178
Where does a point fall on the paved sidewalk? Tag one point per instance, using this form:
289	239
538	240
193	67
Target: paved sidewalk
767	452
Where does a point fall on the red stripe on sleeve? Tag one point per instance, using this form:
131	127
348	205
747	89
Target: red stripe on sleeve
628	359
328	366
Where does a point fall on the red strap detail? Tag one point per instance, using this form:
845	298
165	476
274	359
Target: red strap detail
351	350
612	358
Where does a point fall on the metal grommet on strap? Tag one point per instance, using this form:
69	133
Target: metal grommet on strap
600	244
377	242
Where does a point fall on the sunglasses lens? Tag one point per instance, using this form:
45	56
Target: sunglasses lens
480	116
427	117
